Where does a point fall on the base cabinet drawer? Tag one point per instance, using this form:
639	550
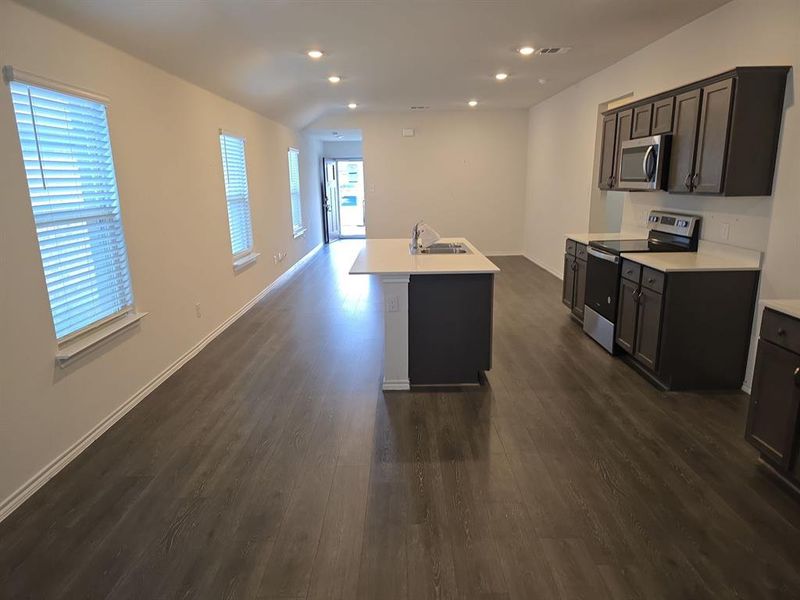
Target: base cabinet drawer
772	418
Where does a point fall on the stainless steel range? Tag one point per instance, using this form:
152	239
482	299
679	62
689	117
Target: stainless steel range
669	232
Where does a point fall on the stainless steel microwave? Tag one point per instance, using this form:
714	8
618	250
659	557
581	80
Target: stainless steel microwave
642	163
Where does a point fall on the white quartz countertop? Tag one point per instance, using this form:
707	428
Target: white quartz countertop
392	256
585	238
667	262
787	307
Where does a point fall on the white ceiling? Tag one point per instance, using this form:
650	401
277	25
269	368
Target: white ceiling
391	54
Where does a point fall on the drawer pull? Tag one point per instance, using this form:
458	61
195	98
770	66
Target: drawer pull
781	331
629	272
651	280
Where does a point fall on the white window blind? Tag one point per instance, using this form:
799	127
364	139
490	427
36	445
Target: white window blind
294	190
73	190
236	193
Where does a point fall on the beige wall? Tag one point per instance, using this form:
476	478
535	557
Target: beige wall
562	152
343	149
463	172
164	133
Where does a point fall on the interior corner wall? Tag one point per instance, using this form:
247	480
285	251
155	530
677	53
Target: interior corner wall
463	172
164	133
563	134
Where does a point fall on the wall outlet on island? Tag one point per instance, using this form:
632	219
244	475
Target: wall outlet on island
197	311
392	304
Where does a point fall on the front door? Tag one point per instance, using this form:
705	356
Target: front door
330	200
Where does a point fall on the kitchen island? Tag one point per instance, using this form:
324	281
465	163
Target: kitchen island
437	312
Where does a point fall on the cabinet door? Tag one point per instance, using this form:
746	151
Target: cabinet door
607	148
662	116
772	420
648	328
568	292
580	289
712	139
627	309
684	141
641	121
624	126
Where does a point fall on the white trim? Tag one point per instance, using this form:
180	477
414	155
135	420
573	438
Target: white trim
241	262
11	503
398	385
299	232
505	253
86	342
11	74
557	275
746	388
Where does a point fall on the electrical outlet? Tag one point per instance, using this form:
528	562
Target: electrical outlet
197	310
393	304
726	231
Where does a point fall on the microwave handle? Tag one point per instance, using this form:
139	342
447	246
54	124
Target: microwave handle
646	163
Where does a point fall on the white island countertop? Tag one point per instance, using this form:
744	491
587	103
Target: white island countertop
393	257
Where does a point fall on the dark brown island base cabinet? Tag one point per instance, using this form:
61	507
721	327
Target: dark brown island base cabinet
725	132
574	289
449	328
772	422
686	330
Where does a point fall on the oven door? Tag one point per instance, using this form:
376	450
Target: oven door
641	163
602	288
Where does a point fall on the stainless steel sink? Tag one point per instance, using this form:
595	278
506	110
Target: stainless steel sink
446	248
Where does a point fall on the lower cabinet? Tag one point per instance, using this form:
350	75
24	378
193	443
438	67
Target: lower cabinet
686	330
638	327
772	421
573	291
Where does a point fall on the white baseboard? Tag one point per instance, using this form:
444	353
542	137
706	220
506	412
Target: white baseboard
504	253
746	388
10	504
556	274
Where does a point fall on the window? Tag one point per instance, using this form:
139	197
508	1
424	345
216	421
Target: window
294	192
234	169
73	190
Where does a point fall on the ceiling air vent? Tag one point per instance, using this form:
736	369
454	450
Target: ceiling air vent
554	50
420	107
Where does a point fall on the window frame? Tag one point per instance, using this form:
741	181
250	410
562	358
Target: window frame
247	255
75	342
299	229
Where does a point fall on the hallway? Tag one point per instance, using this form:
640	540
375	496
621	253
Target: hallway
272	466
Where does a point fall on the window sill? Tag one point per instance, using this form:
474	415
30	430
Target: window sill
72	349
299	232
241	262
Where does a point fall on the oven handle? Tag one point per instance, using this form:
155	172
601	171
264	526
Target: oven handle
603	255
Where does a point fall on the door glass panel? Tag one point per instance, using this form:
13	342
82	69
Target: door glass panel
351	197
631	168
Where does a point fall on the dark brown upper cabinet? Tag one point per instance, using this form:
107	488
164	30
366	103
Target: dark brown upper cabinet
684	141
712	138
725	131
662	116
607	145
624	126
641	121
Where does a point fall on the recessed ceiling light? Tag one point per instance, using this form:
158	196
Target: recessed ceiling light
352	106
501	76
542	80
473	103
526	50
334	79
315	54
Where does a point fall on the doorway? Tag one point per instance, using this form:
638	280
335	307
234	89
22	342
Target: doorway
343	200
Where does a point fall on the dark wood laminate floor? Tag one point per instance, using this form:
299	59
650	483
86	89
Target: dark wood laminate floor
271	466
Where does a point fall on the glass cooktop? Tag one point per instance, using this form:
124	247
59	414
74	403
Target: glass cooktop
619	246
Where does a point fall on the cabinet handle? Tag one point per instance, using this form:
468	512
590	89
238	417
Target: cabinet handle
797	377
687	183
651	280
629	272
695	180
781	331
